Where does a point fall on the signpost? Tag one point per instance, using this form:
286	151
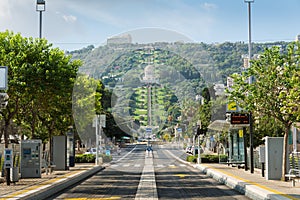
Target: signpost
8	158
148	132
8	163
102	124
99	121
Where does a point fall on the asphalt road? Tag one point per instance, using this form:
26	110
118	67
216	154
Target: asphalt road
171	179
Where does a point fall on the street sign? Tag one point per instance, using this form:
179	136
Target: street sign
231	107
103	120
107	152
240	118
3	77
148	130
8	158
95	121
179	130
241	133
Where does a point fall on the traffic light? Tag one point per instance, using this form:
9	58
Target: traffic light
3	100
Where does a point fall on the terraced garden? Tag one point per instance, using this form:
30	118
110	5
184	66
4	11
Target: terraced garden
161	100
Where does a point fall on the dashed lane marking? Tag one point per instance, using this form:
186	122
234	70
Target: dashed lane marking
180	175
106	198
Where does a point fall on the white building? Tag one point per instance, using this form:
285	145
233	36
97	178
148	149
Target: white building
229	82
149	72
120	39
219	89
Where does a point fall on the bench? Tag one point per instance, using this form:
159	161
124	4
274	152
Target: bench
294	172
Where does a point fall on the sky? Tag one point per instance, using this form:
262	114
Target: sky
74	24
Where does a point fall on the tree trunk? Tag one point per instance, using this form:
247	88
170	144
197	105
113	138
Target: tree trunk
285	152
6	133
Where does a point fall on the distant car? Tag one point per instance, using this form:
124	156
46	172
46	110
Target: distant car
94	151
91	151
188	149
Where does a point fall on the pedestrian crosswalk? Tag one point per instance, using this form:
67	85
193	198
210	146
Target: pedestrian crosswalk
155	165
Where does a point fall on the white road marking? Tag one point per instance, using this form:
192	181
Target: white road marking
147	186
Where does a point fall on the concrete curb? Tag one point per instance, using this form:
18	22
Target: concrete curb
247	188
56	187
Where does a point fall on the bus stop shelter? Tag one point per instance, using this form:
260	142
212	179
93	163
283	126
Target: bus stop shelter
235	145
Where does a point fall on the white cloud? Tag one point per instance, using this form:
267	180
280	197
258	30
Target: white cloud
208	6
70	18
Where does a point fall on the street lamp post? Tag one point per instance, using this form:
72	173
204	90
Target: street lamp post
199	151
194	138
249	32
40	7
250	81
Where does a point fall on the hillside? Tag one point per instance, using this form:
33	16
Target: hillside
177	74
214	61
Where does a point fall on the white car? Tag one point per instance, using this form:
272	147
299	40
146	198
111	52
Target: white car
93	151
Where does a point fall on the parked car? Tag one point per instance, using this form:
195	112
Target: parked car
93	151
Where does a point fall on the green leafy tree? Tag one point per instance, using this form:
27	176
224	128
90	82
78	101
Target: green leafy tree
275	90
40	85
86	104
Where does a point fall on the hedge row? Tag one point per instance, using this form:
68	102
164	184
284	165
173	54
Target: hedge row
207	158
90	158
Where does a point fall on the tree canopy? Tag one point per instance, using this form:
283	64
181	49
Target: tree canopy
40	80
275	90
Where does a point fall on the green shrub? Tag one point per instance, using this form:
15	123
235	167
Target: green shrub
192	159
85	158
207	158
90	158
223	158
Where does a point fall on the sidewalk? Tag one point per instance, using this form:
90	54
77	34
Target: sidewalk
253	185
40	188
